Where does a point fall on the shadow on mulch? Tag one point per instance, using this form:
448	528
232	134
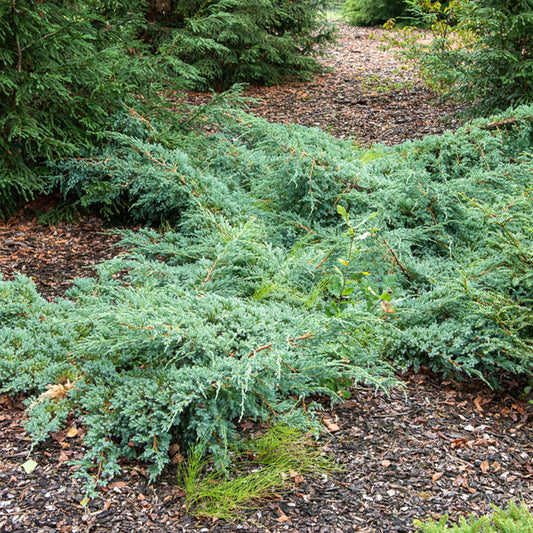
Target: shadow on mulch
53	254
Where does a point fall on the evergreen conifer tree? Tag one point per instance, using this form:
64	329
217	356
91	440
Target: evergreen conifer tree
67	67
372	12
59	66
500	68
232	41
482	52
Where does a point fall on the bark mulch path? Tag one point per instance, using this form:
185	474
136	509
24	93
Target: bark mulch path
436	447
370	95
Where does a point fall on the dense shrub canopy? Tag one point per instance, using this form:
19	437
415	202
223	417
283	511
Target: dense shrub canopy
291	264
65	70
373	12
482	51
499	69
67	67
52	87
233	41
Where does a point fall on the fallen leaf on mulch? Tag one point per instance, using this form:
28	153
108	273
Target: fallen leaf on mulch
297	478
331	425
458	443
29	466
116	485
460	481
283	518
64	456
436	476
174	453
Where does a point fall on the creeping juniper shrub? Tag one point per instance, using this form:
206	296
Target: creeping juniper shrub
293	264
161	363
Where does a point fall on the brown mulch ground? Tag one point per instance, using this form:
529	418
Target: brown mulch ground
369	95
438	447
52	255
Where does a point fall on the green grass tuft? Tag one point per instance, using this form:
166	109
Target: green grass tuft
262	466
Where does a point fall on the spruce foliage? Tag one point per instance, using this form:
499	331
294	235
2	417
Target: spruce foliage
262	41
499	70
65	71
372	12
49	89
481	52
68	68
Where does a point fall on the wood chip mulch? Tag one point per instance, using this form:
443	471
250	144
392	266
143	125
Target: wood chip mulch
53	255
437	447
369	95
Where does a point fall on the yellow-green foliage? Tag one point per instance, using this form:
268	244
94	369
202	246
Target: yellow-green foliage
262	465
372	12
480	52
516	519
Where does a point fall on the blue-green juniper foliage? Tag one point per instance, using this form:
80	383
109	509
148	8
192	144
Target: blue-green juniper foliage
288	262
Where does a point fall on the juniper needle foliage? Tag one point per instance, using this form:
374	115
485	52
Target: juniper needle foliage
289	263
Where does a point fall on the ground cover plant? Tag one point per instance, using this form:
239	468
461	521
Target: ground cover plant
515	519
288	263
